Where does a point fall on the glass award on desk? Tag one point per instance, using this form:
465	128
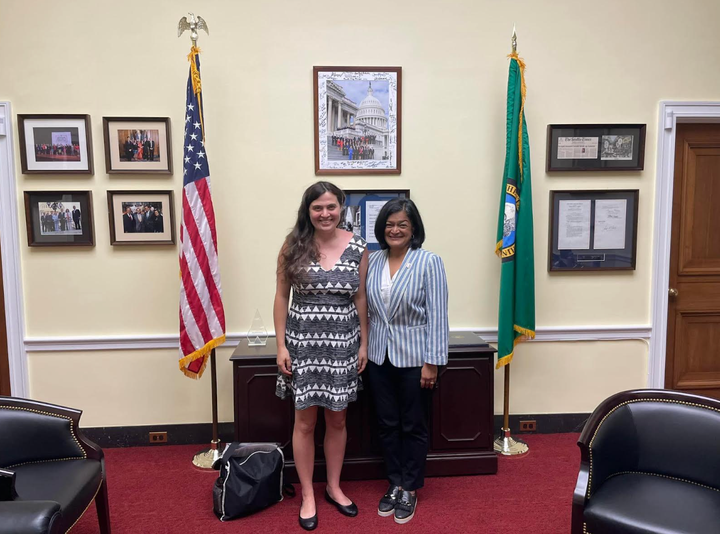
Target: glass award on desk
257	335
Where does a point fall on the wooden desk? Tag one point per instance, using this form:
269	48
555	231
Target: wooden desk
461	423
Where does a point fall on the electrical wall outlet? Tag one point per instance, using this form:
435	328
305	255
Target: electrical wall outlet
528	426
158	437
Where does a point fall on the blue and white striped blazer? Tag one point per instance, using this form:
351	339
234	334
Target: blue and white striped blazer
414	328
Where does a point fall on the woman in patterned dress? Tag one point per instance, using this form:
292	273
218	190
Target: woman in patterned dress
325	344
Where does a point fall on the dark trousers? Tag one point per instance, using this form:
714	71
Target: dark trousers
402	409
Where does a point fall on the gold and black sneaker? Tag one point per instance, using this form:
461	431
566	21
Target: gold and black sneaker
388	501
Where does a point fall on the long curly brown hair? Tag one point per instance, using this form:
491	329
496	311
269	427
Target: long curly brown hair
300	249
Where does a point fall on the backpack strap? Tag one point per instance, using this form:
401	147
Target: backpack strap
288	490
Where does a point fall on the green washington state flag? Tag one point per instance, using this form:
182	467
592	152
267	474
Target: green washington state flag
516	320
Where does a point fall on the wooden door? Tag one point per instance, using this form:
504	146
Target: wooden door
693	343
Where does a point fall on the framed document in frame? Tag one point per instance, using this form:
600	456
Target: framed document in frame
361	209
595	147
593	230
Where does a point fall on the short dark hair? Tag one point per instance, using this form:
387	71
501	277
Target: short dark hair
393	206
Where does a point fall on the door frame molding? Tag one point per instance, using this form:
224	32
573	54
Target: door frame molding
10	243
671	113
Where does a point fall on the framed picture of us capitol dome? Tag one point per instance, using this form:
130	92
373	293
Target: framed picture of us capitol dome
357	119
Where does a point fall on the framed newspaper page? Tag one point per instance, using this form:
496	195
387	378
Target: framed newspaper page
595	147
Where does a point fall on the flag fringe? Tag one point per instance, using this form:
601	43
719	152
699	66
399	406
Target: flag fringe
498	249
505	360
186	360
198	375
530	334
525	334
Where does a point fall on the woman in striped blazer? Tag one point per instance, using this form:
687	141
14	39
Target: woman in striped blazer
407	307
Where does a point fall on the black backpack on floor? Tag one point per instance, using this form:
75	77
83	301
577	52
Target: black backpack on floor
251	478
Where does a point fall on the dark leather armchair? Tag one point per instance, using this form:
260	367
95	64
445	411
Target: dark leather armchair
650	464
49	472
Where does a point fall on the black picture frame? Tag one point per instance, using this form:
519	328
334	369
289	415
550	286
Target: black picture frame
56	231
593	238
40	137
143	232
595	147
354	216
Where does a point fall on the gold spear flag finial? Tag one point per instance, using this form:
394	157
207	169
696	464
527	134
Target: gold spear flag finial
514	40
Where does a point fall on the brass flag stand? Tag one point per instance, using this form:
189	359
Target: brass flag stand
207	457
505	444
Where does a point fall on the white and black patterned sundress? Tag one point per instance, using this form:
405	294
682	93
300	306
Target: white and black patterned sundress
322	334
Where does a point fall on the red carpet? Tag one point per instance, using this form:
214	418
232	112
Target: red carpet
157	490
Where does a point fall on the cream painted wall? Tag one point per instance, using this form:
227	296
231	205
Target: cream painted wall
585	65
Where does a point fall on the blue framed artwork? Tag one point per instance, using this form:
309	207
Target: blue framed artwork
361	210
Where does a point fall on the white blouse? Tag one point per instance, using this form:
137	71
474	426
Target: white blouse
387	281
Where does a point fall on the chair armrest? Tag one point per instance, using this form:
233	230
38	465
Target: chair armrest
7	485
28	517
608	443
93	450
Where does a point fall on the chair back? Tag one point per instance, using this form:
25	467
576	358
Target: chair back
34	432
670	437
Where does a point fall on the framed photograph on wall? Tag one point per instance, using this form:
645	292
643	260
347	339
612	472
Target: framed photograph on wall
357	119
593	230
361	210
141	217
595	147
137	145
59	218
55	144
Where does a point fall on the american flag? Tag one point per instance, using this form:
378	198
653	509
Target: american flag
202	317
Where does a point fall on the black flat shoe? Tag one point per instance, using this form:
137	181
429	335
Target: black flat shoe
350	510
310	523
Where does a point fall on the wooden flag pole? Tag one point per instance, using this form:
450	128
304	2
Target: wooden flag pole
213	376
505	444
506	400
206	458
